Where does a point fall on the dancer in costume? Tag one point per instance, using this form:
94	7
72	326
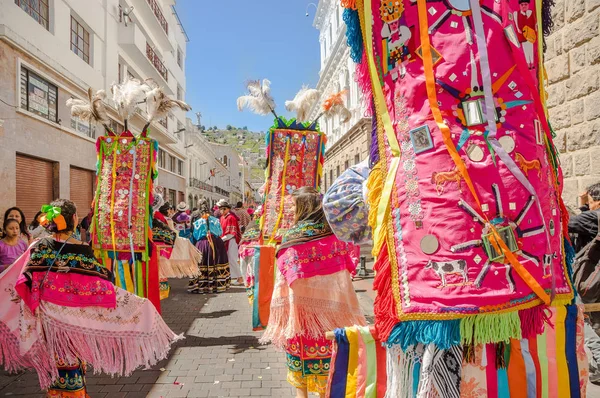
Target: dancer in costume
313	294
178	257
61	311
470	233
214	274
231	236
295	154
127	168
249	244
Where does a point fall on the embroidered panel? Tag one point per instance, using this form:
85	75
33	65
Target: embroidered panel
125	171
294	162
484	105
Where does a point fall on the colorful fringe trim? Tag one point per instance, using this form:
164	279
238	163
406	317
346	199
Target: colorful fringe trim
353	34
551	364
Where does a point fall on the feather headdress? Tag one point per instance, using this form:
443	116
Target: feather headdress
158	105
128	94
334	105
303	102
93	110
258	99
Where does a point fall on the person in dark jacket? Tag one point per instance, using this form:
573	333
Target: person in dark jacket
584	227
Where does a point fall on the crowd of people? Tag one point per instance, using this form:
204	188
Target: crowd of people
216	234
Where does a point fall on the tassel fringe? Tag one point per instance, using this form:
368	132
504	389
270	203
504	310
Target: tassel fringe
385	306
472	330
115	355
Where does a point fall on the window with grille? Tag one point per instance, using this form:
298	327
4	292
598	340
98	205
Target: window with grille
80	40
172	163
37	9
179	93
357	159
346	165
337	171
180	58
82	127
180	167
38	95
115	126
162	158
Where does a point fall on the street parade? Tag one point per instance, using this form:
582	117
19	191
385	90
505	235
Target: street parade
417	215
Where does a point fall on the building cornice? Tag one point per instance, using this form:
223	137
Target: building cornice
356	128
322	13
335	62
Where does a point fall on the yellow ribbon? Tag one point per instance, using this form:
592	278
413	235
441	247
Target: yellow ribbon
286	160
382	111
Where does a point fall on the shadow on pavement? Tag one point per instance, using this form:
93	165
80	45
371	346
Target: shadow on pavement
216	314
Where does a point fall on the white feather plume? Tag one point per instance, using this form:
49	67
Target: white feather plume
158	105
93	110
128	94
258	99
303	103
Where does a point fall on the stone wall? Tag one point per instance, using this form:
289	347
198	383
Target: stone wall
573	67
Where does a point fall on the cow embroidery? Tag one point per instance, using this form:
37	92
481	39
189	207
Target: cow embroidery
444	268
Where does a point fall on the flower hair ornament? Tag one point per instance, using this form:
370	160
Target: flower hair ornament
52	219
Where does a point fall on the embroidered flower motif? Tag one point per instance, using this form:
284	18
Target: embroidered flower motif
414	208
472	389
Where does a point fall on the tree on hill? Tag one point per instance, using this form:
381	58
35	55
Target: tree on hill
229	127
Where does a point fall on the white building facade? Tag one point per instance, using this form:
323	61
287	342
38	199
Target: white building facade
208	176
347	143
52	50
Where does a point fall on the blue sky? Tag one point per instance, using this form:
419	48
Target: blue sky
234	41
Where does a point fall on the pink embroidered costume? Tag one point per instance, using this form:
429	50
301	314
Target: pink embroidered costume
313	294
474	296
61	311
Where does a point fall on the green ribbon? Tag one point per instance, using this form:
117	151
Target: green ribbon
51	212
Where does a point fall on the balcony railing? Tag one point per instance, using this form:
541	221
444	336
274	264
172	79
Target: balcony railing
221	191
156	61
196	183
159	15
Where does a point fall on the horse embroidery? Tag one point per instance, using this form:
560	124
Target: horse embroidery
440	179
527	165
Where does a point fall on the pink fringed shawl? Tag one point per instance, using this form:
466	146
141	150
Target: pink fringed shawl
313	290
311	307
114	341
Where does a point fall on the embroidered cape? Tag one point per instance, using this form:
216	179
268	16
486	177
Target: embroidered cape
465	191
114	340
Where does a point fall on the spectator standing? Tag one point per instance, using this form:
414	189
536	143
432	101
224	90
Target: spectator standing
584	227
11	246
36	230
17	214
243	215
